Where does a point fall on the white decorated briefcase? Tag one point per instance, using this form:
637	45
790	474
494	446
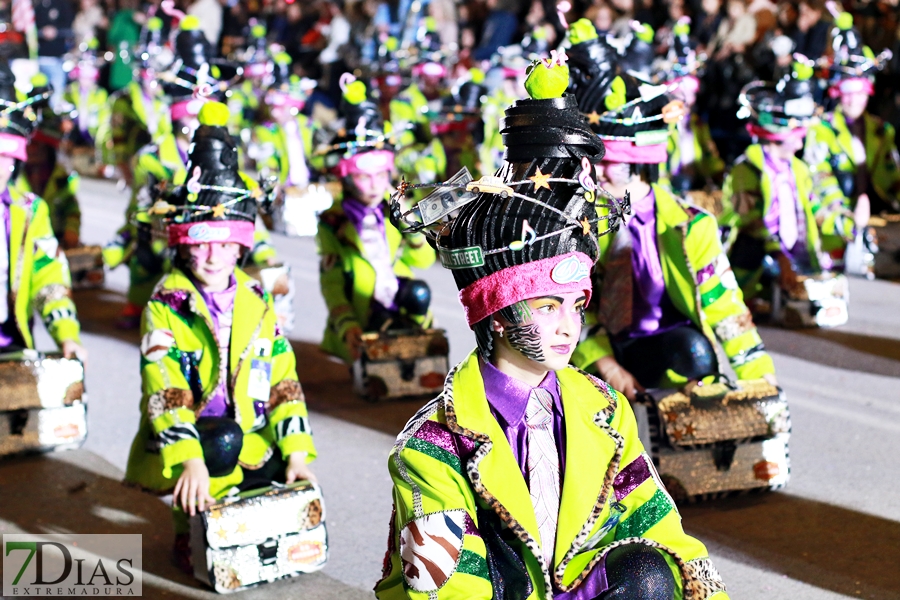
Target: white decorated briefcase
401	363
42	403
260	536
86	267
819	301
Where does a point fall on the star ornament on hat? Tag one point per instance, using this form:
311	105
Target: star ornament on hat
530	230
217	203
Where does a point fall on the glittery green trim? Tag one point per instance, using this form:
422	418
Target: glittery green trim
435	452
42	262
645	517
280	346
712	295
472	563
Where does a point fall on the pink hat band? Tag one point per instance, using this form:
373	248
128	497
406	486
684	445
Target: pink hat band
771	136
688	83
624	151
851	86
282	99
555	275
207	232
186	108
256	69
368	163
431	69
14	146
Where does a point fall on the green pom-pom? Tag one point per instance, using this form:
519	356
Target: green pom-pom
39	80
844	21
645	33
215	71
476	75
682	28
154	24
617	95
582	31
355	92
802	71
282	58
545	82
539	33
215	114
391	44
93	44
258	31
189	23
430	24
868	53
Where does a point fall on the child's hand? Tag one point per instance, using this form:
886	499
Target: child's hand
192	490
353	339
618	377
297	469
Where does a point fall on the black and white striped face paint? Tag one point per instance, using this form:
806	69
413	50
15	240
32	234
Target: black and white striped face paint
545	330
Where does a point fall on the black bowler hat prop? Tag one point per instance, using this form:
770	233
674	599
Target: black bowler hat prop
531	230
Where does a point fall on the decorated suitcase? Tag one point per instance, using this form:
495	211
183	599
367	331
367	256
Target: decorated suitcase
887	235
278	282
260	536
42	403
819	301
86	266
296	211
717	438
401	363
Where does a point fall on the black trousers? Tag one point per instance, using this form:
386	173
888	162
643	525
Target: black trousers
637	572
683	350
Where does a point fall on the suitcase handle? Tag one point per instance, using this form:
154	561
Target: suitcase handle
268	552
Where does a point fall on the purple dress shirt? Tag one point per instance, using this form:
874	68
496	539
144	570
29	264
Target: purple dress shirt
508	398
221	309
356	211
776	170
9	333
652	311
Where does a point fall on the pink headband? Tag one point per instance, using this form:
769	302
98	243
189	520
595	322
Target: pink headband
205	232
557	274
186	108
432	69
689	83
256	69
14	146
282	99
368	163
624	151
90	70
851	86
771	136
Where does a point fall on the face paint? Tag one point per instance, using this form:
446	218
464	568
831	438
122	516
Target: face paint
213	263
550	331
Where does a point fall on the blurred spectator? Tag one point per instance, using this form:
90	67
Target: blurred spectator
708	23
124	33
210	14
736	31
88	21
601	15
53	19
499	28
812	31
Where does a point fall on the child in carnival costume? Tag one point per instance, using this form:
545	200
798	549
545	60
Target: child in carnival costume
34	276
89	101
459	125
505	82
366	262
526	478
284	141
420	154
221	409
138	114
859	147
46	175
771	203
244	100
665	291
693	161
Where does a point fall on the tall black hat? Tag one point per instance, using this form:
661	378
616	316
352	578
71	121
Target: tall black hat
775	109
532	229
854	65
18	112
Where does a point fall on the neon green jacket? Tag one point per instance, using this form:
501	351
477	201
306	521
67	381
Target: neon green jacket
707	161
95	110
177	331
747	198
60	194
347	278
453	464
130	126
39	277
829	141
271	141
419	157
700	284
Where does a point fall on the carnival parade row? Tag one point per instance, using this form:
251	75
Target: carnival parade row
611	263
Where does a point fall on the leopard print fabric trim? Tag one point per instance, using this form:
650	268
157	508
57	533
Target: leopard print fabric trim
704	577
287	390
169	399
50	293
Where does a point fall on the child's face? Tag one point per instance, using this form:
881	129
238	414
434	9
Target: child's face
736	9
212	263
711	7
550	335
854	104
371	188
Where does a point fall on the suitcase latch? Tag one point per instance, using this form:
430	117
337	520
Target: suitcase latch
268	552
